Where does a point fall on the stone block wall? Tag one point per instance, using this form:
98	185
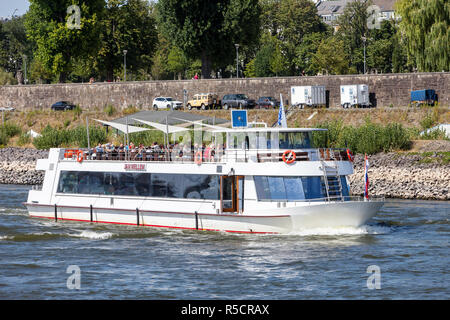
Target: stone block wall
386	89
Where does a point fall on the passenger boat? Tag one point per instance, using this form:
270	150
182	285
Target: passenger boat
263	180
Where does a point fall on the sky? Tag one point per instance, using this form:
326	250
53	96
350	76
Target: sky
7	7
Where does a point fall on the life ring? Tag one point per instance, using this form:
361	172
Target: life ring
350	155
289	159
80	156
198	157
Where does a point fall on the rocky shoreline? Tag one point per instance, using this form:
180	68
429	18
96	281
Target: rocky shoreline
391	175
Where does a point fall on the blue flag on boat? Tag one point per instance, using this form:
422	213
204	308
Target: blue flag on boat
281	114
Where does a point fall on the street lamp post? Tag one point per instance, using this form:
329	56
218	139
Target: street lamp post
125	65
364	39
25	62
237	59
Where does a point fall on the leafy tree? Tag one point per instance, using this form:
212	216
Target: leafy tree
127	25
14	45
352	28
208	29
306	51
176	62
425	25
291	21
56	42
380	47
330	57
263	58
250	71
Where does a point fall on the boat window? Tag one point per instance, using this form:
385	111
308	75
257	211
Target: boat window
270	188
184	186
295	140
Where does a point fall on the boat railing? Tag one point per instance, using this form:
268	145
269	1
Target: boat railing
330	199
200	156
271	155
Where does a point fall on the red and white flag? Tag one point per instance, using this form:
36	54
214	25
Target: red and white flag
366	177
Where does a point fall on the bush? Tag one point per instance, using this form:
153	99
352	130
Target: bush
11	129
77	137
24	139
110	110
369	138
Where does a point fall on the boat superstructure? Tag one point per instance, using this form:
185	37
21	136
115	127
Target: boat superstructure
252	180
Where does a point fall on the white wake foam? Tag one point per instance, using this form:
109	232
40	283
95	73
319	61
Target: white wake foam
93	235
342	231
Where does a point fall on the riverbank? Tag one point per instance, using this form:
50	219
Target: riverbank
412	175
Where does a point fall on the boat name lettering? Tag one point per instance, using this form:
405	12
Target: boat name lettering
134	166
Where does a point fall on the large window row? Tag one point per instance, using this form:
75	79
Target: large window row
165	185
272	188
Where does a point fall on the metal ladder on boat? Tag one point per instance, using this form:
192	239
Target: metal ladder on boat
331	184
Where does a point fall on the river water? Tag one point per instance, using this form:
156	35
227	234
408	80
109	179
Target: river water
402	253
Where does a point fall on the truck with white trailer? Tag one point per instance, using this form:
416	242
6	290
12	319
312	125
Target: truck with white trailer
311	96
355	95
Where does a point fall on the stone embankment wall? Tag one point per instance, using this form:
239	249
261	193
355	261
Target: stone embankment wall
17	166
385	89
391	175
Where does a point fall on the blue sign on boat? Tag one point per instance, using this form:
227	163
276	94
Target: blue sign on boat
239	118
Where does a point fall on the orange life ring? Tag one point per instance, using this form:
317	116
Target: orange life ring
80	156
291	158
350	155
198	157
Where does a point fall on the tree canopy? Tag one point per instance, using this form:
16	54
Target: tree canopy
209	29
425	25
74	40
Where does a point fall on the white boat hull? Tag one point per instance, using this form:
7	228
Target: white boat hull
279	220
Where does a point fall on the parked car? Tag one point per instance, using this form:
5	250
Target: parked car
240	101
267	102
166	102
204	101
63	105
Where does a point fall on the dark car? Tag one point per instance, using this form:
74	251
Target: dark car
267	102
62	105
240	101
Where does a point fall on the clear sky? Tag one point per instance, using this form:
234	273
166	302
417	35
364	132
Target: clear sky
7	7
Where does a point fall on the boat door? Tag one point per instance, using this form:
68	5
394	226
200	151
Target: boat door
232	193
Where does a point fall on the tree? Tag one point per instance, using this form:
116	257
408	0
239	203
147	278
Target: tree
14	45
208	29
127	25
425	26
380	47
290	21
331	57
306	50
176	62
352	28
59	35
